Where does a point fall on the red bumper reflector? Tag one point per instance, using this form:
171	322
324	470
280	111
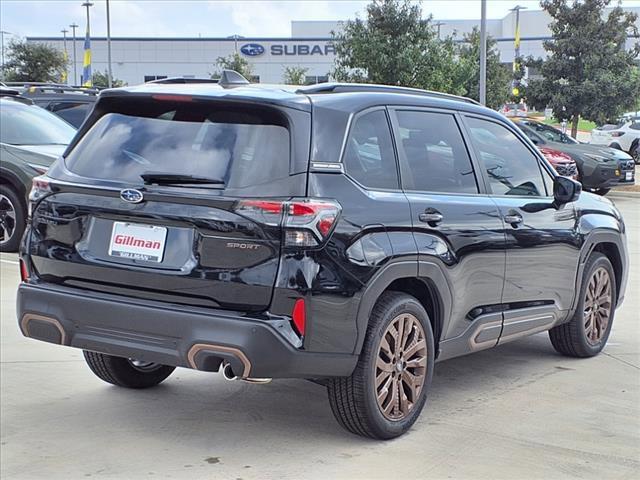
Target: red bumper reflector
24	274
299	316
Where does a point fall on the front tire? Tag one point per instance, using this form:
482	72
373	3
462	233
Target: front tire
586	334
386	392
124	372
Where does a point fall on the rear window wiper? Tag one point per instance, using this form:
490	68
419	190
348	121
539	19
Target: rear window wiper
178	179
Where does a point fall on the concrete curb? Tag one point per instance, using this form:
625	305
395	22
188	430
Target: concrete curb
623	194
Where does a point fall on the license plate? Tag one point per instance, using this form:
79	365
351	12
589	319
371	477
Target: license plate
138	242
628	176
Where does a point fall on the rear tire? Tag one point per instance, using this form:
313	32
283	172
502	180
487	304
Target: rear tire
586	334
386	392
126	373
13	219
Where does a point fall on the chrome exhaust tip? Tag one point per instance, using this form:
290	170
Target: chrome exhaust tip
227	372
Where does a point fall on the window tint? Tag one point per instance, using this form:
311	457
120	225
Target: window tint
437	160
369	156
243	149
511	168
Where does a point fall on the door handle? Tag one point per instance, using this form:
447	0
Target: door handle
513	218
430	216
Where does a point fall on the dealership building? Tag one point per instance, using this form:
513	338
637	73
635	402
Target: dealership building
139	59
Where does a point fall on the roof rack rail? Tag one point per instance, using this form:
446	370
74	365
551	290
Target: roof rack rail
365	87
183	80
43	87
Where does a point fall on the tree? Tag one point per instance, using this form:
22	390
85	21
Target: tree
589	73
498	75
34	62
395	46
294	75
101	79
234	62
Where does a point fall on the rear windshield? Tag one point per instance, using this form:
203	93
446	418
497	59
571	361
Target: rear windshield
242	149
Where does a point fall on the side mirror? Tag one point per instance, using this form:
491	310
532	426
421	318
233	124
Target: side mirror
565	190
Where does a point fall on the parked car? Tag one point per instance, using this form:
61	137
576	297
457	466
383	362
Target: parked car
599	168
623	136
561	162
514	110
636	152
30	140
349	234
72	104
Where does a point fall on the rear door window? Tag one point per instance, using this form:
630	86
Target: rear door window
434	153
239	148
369	157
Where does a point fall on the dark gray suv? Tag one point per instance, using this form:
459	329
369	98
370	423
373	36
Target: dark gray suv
349	234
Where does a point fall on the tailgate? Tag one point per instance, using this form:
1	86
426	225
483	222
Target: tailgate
165	248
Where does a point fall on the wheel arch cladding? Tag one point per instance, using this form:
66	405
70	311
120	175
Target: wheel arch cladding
431	291
610	250
425	291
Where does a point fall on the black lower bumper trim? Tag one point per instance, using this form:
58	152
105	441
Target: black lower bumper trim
168	334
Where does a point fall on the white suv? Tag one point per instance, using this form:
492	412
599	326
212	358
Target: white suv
624	136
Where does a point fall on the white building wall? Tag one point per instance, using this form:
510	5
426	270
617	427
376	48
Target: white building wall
134	58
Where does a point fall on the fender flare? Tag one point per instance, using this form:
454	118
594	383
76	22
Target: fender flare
405	268
593	239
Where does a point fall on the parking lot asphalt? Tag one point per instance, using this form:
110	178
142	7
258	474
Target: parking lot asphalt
517	411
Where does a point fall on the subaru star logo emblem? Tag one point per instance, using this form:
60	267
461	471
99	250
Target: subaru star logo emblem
252	49
131	195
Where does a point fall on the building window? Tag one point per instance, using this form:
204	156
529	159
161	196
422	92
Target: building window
149	78
313	79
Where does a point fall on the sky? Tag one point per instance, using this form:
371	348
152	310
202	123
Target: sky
210	18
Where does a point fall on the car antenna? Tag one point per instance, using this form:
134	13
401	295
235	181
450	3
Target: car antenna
231	79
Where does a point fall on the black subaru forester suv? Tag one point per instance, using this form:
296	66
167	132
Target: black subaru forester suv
348	234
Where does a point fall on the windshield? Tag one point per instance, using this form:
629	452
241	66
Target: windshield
236	149
31	125
549	133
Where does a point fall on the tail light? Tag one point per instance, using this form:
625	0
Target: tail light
40	187
306	222
616	134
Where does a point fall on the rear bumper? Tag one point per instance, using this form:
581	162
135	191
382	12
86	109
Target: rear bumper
168	334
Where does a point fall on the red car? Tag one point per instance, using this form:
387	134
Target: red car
563	163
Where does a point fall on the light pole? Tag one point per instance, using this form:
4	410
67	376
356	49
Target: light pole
73	27
109	75
483	53
438	25
66	55
2	33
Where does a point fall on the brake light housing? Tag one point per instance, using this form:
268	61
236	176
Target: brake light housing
307	222
40	187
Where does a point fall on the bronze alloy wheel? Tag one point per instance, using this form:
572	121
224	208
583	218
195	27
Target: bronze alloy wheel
401	366
597	306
